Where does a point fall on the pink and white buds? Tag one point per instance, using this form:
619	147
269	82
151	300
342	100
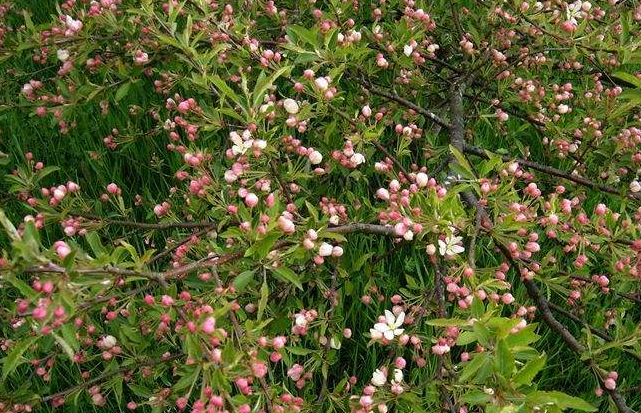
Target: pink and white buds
321	84
62	249
315	158
112	188
383	194
107	342
422	179
430	249
209	325
325	250
290	106
251	200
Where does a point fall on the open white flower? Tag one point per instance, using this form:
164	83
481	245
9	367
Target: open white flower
398	376
290	106
240	146
390	328
63	55
378	378
357	158
573	11
450	246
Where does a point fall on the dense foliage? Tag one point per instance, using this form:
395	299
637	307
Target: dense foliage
320	206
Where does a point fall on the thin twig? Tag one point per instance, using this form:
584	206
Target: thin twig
143	225
404	102
474	150
173	248
599	333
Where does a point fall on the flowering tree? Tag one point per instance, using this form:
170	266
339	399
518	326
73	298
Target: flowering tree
306	206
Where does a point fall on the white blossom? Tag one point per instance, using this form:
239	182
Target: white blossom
378	378
450	246
290	106
390	328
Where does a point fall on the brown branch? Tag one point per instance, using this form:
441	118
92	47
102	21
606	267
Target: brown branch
173	248
364	229
439	291
404	102
162	277
599	333
455	17
567	337
143	225
158	277
457	140
474	150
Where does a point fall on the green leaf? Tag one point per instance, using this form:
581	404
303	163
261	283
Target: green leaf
462	161
14	358
483	334
288	275
242	280
122	91
264	296
524	337
21	286
66	347
300	351
296	32
265	83
224	89
504	359
628	78
447	322
529	371
27	20
93	239
140	391
473	366
263	246
188	380
8	227
4	159
476	397
561	400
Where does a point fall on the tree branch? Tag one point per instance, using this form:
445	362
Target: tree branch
143	225
599	333
474	150
404	102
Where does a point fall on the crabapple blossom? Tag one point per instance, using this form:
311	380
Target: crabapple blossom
390	328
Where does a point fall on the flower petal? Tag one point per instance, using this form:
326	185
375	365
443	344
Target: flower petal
400	319
389	334
457	249
389	317
382	327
